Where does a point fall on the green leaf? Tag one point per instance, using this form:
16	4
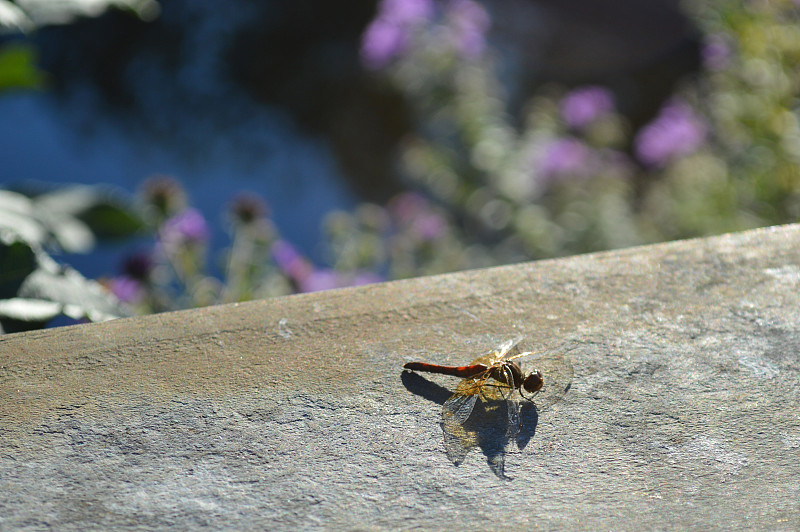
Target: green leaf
16	215
79	297
12	17
18	68
17	262
70	200
48	217
77	214
108	220
72	235
26	309
14	201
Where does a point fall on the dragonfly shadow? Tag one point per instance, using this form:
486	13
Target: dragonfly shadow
426	389
488	428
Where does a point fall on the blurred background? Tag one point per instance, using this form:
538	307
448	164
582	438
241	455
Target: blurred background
173	154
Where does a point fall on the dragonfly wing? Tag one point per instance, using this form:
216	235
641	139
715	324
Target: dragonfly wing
557	374
495	391
457	408
458	440
507	349
513	420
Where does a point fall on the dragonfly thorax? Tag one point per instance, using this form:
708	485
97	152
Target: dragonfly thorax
508	373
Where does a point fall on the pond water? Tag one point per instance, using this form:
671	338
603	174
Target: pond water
128	100
295	174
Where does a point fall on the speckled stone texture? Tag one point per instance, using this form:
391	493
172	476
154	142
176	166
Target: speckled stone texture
683	411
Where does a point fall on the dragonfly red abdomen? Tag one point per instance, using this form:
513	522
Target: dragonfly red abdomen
464	372
507	372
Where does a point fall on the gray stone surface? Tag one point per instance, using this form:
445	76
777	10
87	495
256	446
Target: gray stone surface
682	412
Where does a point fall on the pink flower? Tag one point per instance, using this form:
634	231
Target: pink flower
413	211
188	226
567	156
387	36
470	22
127	289
675	132
290	261
318	280
582	106
716	52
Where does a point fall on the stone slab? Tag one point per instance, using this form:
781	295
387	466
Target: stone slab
683	410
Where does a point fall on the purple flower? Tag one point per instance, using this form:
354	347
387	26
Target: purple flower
138	266
326	279
248	208
414	211
429	226
470	22
382	42
406	11
582	106
716	52
284	254
188	226
318	280
367	278
567	156
290	261
676	131
387	36
127	289
408	205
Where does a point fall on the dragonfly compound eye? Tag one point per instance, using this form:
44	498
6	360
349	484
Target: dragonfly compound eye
533	382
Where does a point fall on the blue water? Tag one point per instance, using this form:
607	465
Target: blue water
46	140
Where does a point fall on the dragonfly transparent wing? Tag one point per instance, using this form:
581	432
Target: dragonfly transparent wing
557	374
506	350
512	430
457	439
458	407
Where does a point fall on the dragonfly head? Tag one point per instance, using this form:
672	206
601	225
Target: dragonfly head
533	382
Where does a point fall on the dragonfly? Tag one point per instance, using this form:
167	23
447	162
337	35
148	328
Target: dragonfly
498	375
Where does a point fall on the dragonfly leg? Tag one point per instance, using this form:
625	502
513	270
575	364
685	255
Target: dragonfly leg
502	394
509	378
483	396
529	398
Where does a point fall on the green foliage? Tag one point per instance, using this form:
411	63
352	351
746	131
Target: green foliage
723	155
17	261
28	15
108	219
70	219
18	68
33	288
